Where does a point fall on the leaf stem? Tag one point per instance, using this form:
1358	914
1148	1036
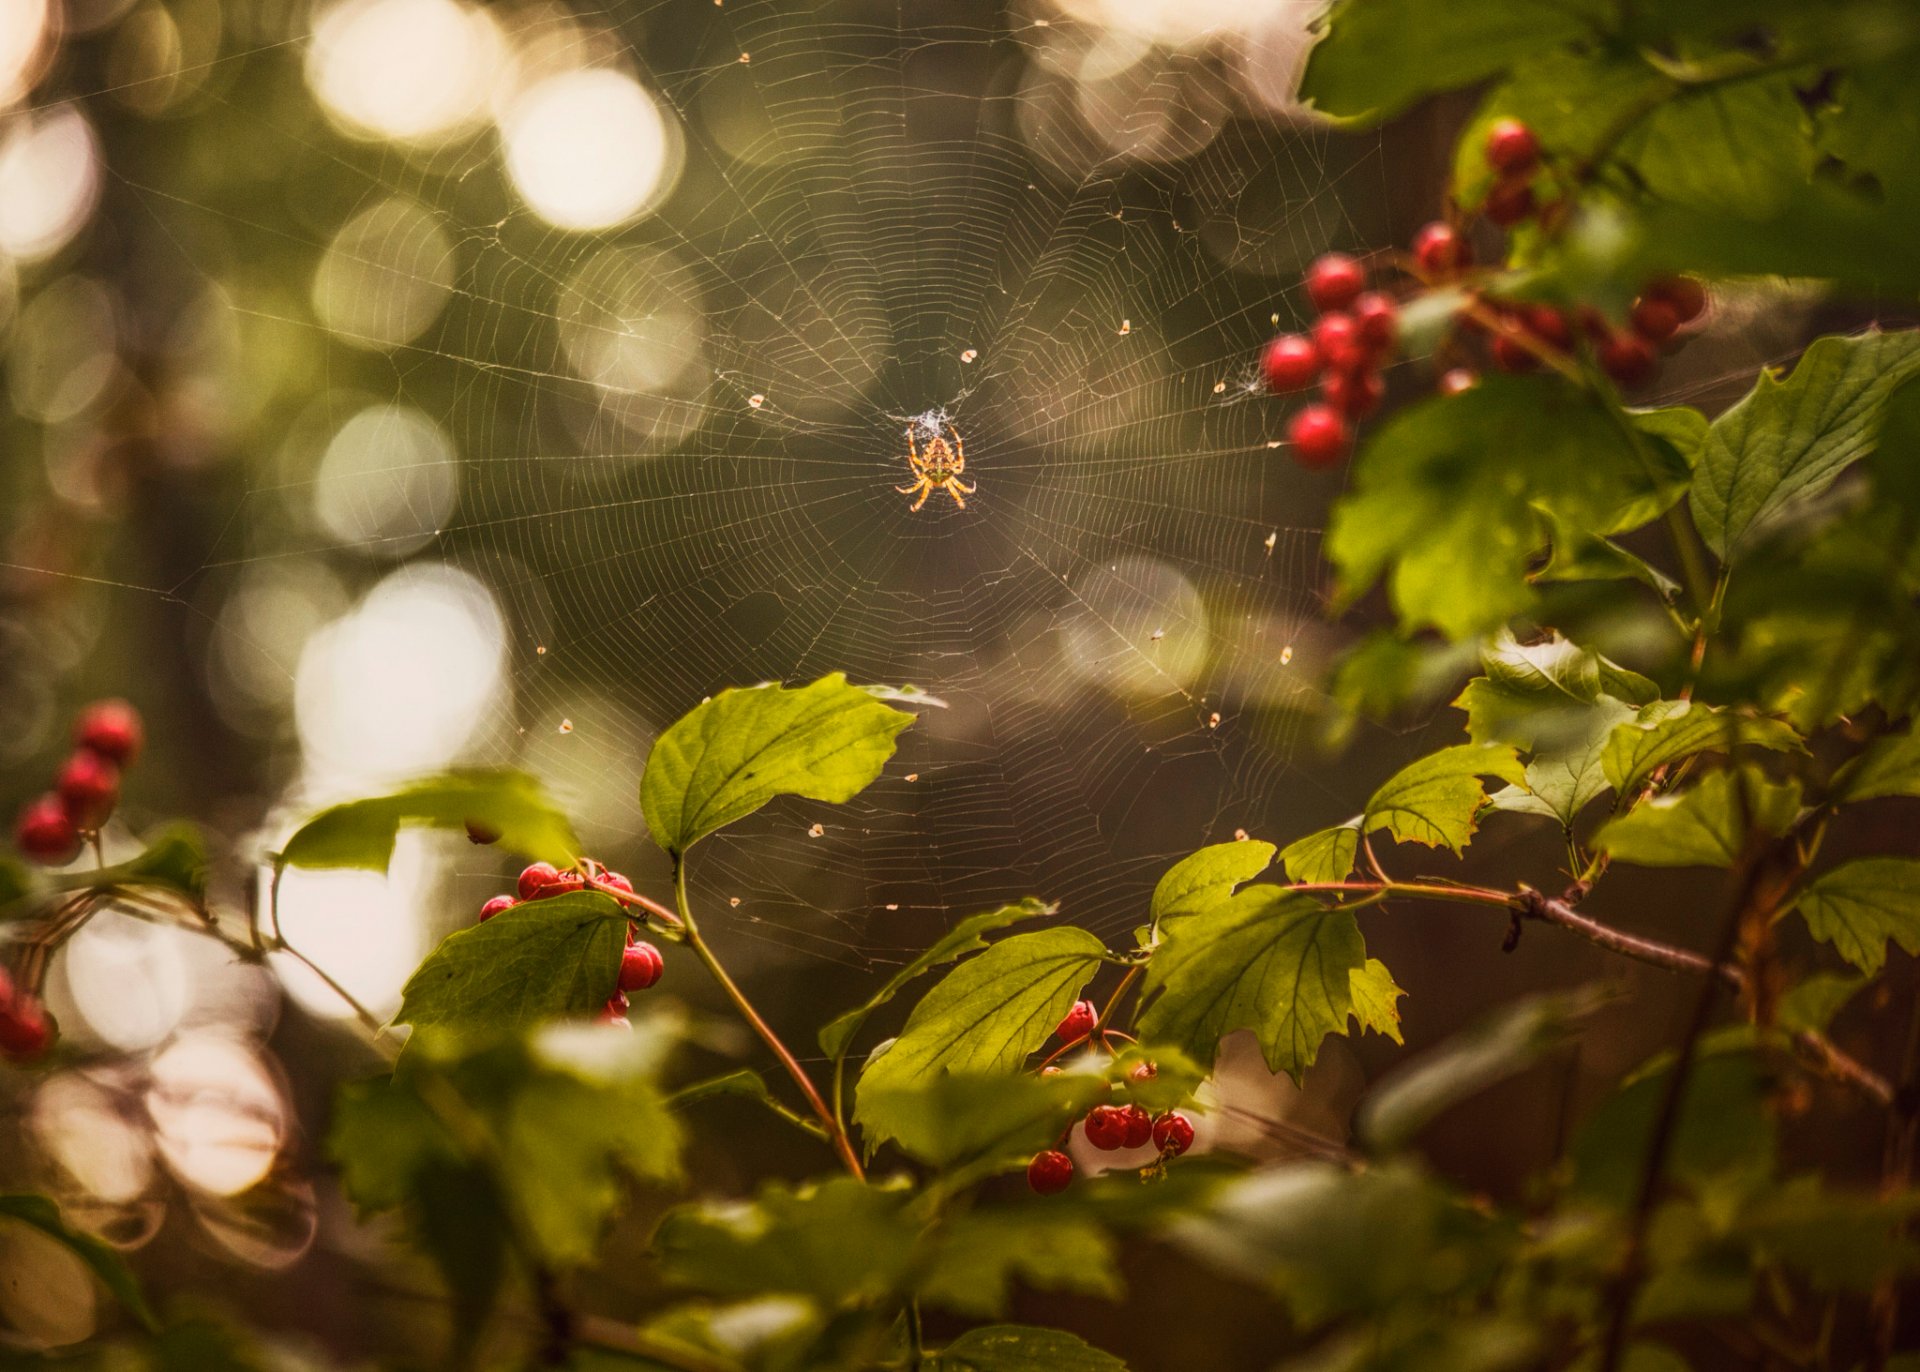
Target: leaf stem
836	1134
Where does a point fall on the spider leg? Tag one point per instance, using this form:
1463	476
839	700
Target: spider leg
913	450
923	496
909	490
963	485
959	450
953	488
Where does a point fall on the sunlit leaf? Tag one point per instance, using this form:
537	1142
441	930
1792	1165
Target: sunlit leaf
539	960
1209	876
510	808
1022	1348
1861	906
1324	856
1376	999
1666	731
1706	826
1434	800
1891	767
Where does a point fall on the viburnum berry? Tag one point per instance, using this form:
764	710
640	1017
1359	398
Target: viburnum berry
1654	318
1439	250
1549	325
1627	358
1107	1127
1687	296
24	1031
1355	394
89	787
44	833
1319	436
1333	280
1457	379
535	877
1508	203
1050	1172
640	967
1377	320
110	728
1138	1126
616	881
1173	1133
1079	1021
495	906
1290	363
1512	147
614	1012
1511	355
1337	338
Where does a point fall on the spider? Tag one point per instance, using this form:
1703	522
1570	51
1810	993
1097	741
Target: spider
939	470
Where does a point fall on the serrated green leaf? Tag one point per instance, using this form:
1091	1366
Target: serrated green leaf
1861	906
977	1258
1269	960
508	807
1669	730
1891	767
1705	827
1021	1348
1434	800
1208	877
1376	999
963	938
1789	439
733	753
1324	856
540	960
1727	146
984	1017
105	1260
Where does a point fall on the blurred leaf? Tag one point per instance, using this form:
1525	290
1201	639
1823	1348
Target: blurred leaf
732	754
1269	960
1570	99
963	938
1839	1241
772	1332
1890	767
985	1016
1208	877
1813	1002
1862	905
1705	827
540	960
1384	674
1434	800
105	1260
1376	999
1666	731
1789	439
1503	1044
509	804
1732	145
1020	1348
748	1085
840	1241
1724	1128
978	1256
1379	56
1326	856
175	859
949	1119
1581	556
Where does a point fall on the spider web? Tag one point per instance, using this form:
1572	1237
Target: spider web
1062	241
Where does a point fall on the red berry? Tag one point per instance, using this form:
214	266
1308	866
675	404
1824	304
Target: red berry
535	878
1654	318
1319	436
1334	280
1338	339
1107	1127
44	832
89	786
616	881
640	967
1050	1071
1355	394
1290	363
1050	1172
1146	1071
1456	380
1439	250
24	1031
495	906
1509	202
1511	355
1687	296
1173	1133
1548	325
617	1004
110	728
1079	1021
1511	146
1138	1125
1628	359
1377	320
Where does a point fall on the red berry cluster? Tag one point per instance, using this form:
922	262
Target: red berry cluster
24	1029
107	737
1108	1127
641	964
1354	334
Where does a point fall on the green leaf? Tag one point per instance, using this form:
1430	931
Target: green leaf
732	754
1207	877
746	1084
1269	960
508	807
951	1119
175	859
1789	439
1376	999
1723	1128
978	1256
1705	827
1839	1241
1666	731
1732	146
1891	767
1325	856
1452	496
1021	1348
1581	556
1502	1045
540	960
963	938
768	1334
840	1241
984	1017
1861	905
1814	1001
1434	800
105	1260
1377	58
